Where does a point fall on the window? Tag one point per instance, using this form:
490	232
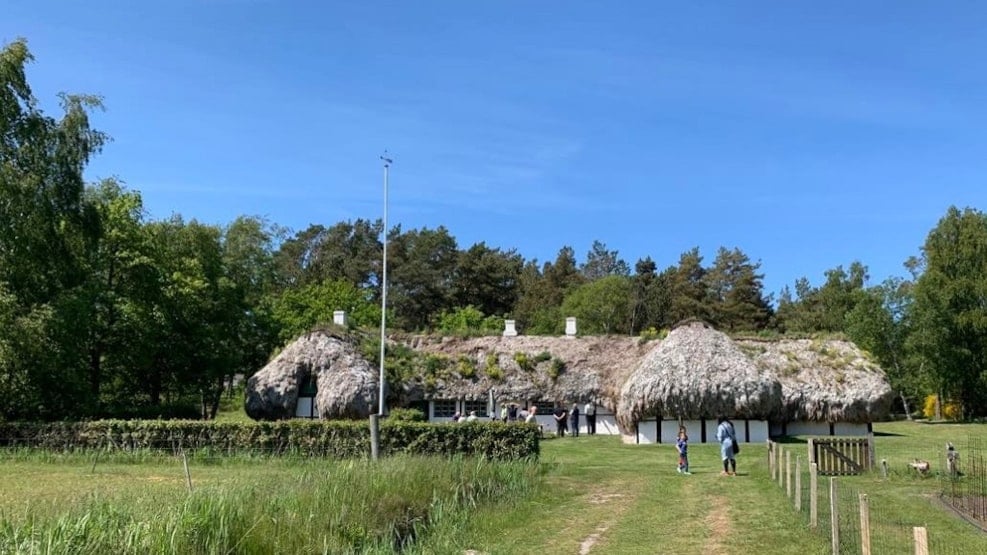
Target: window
443	408
308	388
544	407
479	406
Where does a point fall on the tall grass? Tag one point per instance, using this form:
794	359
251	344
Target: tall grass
333	507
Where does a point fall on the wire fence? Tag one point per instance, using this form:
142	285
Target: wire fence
850	519
964	481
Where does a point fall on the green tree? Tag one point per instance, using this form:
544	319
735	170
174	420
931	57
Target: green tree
880	324
299	310
737	292
421	269
46	225
689	295
601	263
950	309
487	279
347	250
601	306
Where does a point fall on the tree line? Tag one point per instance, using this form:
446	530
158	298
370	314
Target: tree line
104	312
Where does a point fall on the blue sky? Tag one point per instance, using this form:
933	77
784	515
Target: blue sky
808	135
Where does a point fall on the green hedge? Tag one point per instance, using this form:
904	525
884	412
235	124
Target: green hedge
335	439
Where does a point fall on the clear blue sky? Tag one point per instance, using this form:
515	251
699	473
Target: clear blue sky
808	134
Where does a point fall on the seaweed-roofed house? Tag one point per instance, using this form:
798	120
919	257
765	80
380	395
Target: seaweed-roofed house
320	375
527	370
695	375
828	386
641	390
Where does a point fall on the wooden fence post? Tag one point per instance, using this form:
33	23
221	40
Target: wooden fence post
834	517
374	437
813	495
788	474
781	475
921	540
798	483
188	475
864	524
771	459
871	452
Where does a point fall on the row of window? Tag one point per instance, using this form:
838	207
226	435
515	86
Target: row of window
446	408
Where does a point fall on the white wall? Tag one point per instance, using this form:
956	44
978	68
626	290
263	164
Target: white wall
818	429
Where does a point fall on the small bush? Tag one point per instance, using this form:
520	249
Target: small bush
407	415
556	368
951	410
523	361
466	367
543	356
492	368
652	334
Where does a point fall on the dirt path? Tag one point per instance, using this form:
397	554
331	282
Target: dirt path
720	527
616	504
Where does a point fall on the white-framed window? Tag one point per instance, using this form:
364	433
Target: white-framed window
443	408
479	406
544	407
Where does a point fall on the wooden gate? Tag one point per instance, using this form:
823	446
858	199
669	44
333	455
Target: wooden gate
842	456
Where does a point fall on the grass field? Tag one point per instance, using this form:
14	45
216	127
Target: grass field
585	495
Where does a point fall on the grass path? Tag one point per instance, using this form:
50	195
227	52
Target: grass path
600	496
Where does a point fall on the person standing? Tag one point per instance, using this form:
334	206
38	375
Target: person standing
727	437
559	415
682	446
530	417
574	420
590	413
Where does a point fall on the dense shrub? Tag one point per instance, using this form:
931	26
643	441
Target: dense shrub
951	410
407	415
334	439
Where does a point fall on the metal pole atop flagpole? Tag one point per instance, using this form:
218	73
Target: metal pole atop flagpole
383	290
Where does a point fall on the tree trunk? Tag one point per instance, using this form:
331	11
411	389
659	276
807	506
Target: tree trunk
904	403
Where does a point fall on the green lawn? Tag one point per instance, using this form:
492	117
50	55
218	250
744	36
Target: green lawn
585	495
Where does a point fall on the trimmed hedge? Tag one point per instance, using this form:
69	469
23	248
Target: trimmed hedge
334	439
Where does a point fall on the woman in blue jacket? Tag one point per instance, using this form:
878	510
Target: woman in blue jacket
727	437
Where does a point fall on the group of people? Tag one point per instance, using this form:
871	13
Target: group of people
568	420
565	420
726	435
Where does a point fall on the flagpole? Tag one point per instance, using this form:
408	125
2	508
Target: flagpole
383	291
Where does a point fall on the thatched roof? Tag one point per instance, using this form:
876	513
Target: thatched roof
347	385
823	380
697	372
594	367
694	372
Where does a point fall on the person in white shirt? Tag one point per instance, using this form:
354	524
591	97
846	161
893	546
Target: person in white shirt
589	411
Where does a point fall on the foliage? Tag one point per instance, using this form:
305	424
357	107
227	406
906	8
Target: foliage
556	368
543	356
487	279
403	414
336	439
466	366
951	410
950	309
651	334
601	263
421	267
299	310
282	505
601	306
492	367
468	321
523	361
